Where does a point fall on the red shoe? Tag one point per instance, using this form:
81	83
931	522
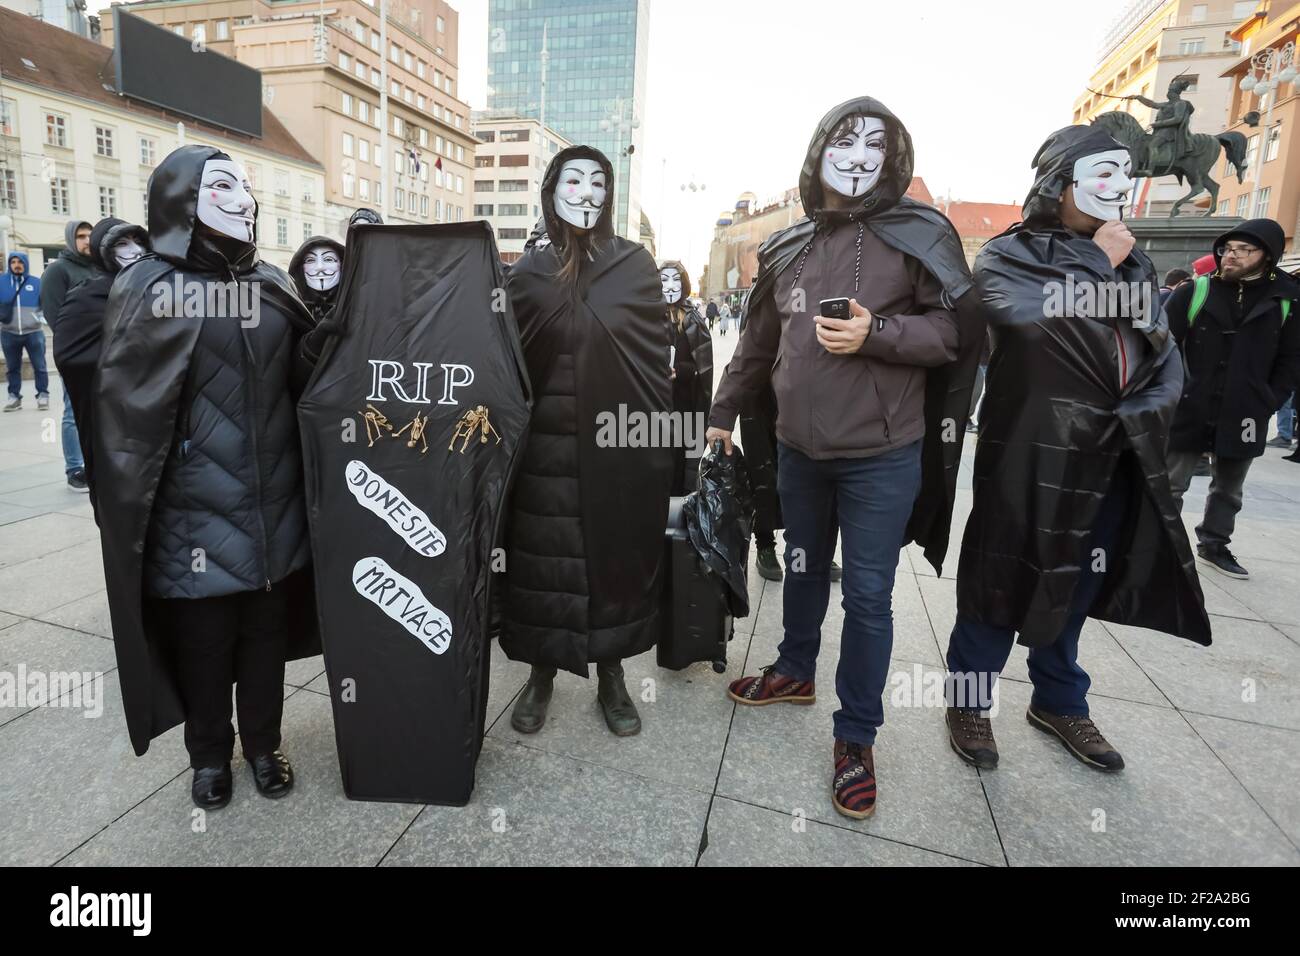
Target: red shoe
769	687
853	787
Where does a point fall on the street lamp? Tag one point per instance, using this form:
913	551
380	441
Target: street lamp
692	185
621	121
1269	70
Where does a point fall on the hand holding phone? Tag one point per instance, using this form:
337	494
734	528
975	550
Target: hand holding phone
842	326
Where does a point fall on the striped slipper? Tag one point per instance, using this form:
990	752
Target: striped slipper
769	687
853	787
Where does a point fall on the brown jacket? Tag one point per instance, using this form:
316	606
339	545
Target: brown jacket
843	406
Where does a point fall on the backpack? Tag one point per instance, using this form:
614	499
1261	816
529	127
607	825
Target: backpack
1201	292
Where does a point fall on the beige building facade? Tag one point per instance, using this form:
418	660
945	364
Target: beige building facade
510	159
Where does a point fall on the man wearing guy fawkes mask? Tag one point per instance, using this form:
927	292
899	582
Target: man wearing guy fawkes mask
1073	515
316	269
114	246
869	410
202	513
692	352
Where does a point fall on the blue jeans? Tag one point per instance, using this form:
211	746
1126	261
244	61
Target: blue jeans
1060	684
1286	419
13	346
868	501
72	460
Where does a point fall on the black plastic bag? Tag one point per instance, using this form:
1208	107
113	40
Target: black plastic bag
719	519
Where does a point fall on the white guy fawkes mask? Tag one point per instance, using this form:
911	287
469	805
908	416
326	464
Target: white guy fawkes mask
126	251
852	162
226	202
580	193
321	268
671	280
1102	183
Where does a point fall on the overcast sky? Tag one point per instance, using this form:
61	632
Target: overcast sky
735	89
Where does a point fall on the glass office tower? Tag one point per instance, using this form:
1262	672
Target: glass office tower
579	67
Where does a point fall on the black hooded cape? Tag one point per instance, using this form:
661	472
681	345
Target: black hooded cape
926	235
386	507
320	303
81	323
700	340
586	527
1054	425
137	390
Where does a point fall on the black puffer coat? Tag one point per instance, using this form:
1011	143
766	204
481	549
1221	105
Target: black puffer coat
163	380
586	524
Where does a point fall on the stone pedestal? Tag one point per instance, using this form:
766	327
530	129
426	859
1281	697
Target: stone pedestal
1177	243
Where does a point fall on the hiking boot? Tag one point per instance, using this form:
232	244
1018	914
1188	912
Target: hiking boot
1220	558
769	687
769	568
1081	738
13	404
530	709
971	736
620	713
853	785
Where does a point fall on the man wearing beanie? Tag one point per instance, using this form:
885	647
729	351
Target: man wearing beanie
1241	343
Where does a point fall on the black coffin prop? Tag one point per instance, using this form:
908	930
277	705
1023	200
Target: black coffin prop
402	525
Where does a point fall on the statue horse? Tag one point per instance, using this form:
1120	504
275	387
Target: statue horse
1194	167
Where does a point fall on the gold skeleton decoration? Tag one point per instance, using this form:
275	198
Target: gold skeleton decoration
376	424
417	426
476	419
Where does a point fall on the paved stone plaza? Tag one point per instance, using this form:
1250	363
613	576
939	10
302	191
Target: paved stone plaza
1213	769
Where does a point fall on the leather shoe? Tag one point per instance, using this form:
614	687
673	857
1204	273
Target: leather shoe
272	774
212	787
530	709
620	713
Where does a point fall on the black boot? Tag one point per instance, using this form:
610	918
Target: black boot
620	712
530	709
212	787
272	774
768	566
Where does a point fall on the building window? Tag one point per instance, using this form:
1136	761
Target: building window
408	61
1261	203
460	184
1243	203
8	189
514	159
514	136
394	88
179	30
348	185
397	126
308	190
360	71
282	183
484	186
306	231
399	197
424	137
419	69
407	95
60	197
514	185
223	29
424	206
107	201
513	209
363	111
512	233
456	121
483	162
364	186
347	103
487	136
376	157
397	161
441	24
1192	80
1252	150
460	153
8	117
363	150
347	144
1274	142
1189	46
437	144
1243	8
437	210
374	77
419	102
1200	12
56	129
374	39
104	141
483	209
281	231
148	151
1223	208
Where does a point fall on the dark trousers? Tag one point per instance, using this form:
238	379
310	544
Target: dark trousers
977	652
1228	479
236	639
13	345
868	501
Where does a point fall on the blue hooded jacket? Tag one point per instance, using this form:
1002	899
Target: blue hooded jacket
20	298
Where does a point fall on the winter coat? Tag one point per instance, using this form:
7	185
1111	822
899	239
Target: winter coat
81	325
20	298
158	444
586	524
1243	358
64	274
1057	418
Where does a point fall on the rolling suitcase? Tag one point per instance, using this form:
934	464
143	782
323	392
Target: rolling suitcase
697	623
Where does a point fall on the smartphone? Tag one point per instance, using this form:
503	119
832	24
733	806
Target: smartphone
835	308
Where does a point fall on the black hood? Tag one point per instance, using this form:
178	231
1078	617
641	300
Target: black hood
1264	233
107	233
604	228
173	214
306	292
1054	168
686	279
899	158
